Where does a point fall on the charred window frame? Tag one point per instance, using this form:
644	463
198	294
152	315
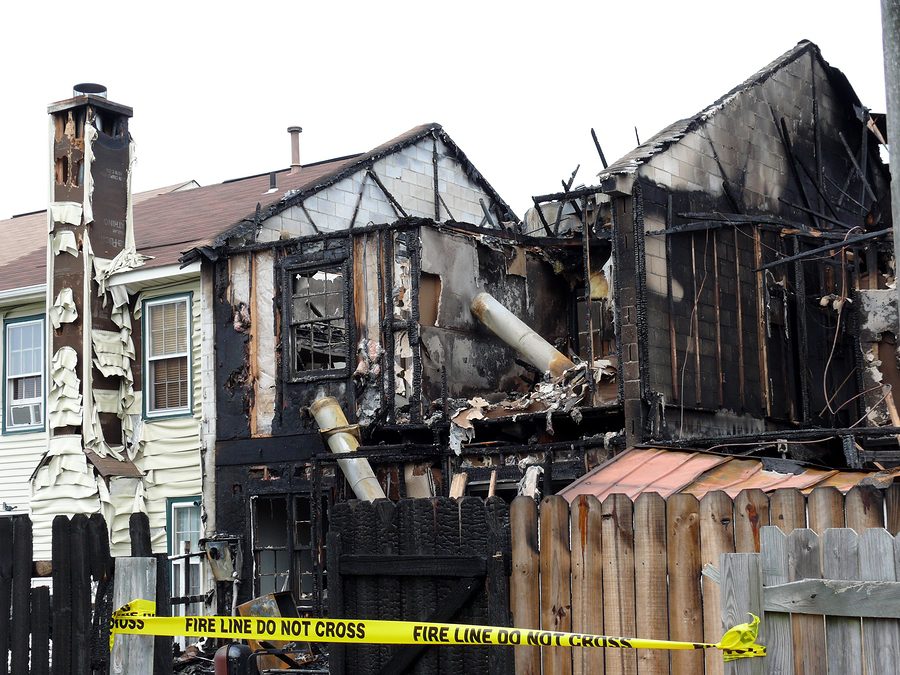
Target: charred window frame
288	545
317	307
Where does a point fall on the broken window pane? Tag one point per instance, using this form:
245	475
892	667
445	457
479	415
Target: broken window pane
318	319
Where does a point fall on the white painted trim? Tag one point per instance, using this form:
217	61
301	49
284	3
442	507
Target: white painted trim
143	275
24	294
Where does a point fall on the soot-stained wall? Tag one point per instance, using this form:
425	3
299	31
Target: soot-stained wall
723	337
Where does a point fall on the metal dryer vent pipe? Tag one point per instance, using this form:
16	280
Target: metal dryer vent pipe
518	335
295	148
333	426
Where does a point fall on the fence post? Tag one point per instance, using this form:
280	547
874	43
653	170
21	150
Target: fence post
62	597
685	611
134	578
651	593
6	576
21	593
40	631
81	594
742	595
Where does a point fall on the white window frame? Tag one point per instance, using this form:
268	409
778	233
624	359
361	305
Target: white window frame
176	548
149	410
8	425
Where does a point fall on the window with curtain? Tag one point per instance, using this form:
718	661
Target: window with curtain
24	374
167	346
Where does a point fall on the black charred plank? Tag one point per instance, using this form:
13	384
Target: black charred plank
367	595
6	577
362	565
62	597
446	543
40	631
419	594
102	564
390	607
81	593
404	657
474	541
497	582
21	593
162	644
139	531
337	653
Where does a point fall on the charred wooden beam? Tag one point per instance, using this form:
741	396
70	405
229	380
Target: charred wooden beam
824	249
387	193
817	214
862	174
574	194
599	149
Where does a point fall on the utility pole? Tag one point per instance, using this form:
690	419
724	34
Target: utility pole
890	30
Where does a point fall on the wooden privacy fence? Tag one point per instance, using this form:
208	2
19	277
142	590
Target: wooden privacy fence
634	568
67	632
79	633
435	559
829	603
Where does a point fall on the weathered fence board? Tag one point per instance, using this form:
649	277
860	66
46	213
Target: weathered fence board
135	578
774	568
808	630
716	538
524	586
840	560
861	607
826	509
556	602
617	534
685	610
751	512
587	570
650	578
652	587
881	637
741	596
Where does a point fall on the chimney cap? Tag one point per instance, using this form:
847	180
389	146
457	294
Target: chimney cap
295	130
85	88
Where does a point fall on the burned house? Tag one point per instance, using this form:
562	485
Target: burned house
723	286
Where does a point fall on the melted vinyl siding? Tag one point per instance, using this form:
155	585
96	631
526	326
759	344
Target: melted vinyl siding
20	453
170	454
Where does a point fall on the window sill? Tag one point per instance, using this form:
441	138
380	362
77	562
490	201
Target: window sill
167	415
18	431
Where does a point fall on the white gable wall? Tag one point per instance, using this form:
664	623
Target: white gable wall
408	175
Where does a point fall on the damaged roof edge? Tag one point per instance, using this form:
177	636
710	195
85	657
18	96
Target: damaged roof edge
661	141
363	161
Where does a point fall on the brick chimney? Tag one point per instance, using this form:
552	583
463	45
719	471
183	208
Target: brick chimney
89	221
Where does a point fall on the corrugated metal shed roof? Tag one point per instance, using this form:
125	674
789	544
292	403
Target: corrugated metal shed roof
668	471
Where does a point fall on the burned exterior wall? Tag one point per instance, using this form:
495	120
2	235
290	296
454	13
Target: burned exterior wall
764	174
460	358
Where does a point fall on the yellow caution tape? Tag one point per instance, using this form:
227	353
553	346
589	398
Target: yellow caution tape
137	618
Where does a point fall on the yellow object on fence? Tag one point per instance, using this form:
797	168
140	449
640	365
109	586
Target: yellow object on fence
138	618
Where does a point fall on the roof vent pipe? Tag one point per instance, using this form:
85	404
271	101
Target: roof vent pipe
86	88
295	148
341	440
518	335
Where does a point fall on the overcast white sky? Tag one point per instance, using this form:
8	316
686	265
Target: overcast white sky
518	85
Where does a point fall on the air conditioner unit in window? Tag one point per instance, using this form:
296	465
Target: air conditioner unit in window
25	415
